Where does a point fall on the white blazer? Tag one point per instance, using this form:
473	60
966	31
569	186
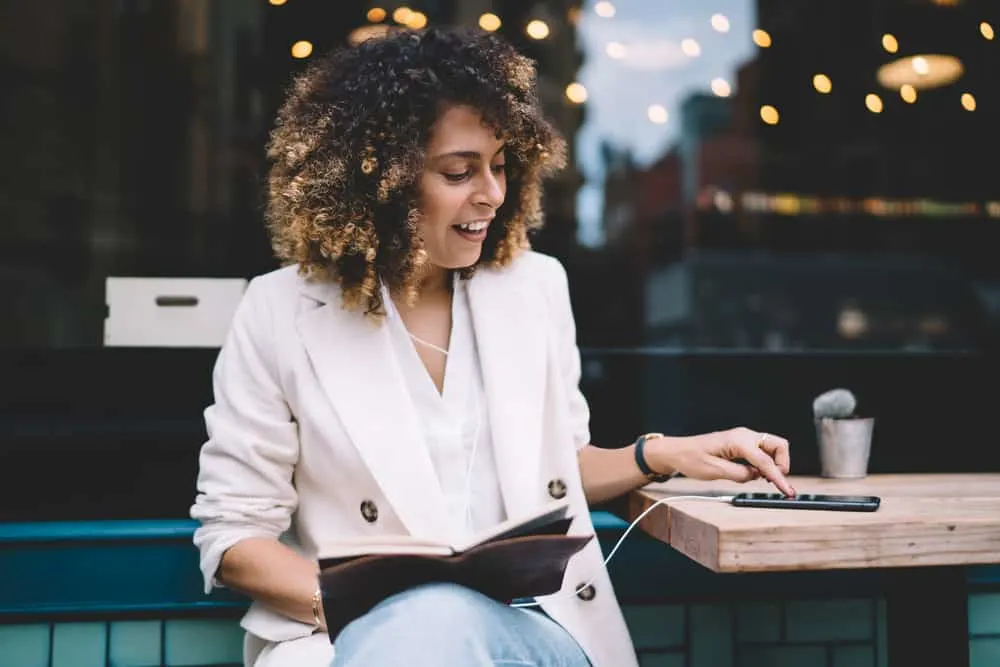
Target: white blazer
312	438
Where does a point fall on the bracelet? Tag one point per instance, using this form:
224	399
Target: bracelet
640	458
317	606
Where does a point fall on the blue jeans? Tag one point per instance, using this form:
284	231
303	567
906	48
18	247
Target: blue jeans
445	625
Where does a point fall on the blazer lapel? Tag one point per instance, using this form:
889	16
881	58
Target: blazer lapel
353	360
511	345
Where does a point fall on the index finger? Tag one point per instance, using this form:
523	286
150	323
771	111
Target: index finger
777	448
769	469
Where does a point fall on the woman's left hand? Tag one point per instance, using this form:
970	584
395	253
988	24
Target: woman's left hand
715	455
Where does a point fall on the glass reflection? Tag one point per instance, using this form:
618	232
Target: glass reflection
764	175
775	177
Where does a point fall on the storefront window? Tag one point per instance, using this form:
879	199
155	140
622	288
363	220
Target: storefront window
764	175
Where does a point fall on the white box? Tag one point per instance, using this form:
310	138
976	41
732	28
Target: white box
170	312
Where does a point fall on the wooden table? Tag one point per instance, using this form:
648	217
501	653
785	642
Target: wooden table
926	529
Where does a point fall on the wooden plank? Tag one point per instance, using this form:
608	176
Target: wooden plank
924	520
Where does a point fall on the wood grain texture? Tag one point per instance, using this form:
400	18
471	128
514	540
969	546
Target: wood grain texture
924	520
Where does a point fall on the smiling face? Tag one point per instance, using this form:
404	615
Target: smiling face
462	186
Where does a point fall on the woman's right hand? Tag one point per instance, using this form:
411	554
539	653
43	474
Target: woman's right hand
717	456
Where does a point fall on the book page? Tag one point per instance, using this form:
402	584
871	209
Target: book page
410	545
521	525
382	545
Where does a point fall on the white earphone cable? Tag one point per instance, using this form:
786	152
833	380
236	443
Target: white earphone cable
635	522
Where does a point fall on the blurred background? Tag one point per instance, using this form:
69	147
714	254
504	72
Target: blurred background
767	198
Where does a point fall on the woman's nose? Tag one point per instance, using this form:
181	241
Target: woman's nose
492	191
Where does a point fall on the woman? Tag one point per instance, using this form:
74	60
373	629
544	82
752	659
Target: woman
413	369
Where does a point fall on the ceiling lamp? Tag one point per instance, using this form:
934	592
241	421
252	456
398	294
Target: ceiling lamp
922	71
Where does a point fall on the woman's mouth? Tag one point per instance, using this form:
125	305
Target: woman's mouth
472	231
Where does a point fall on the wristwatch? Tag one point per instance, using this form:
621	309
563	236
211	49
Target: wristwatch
640	458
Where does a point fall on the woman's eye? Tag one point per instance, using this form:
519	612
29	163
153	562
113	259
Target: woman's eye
455	178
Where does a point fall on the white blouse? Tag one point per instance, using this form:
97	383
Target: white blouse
455	422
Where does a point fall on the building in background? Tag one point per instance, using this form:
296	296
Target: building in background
847	137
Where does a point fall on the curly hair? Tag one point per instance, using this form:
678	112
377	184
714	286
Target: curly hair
348	148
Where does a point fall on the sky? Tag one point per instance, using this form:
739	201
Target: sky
654	70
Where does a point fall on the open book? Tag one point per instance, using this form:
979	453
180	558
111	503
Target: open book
518	558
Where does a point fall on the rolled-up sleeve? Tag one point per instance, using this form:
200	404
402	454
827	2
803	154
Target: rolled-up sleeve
569	354
245	468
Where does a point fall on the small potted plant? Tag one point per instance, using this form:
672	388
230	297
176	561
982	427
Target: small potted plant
843	437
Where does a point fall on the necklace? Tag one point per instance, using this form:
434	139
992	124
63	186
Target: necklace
430	345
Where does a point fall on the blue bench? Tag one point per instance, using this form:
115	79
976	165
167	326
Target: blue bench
109	593
115	568
94	568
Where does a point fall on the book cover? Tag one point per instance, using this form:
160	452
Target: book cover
519	558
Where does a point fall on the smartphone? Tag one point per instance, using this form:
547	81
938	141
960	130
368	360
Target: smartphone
807	501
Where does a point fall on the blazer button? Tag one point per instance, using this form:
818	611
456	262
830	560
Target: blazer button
369	510
586	593
557	489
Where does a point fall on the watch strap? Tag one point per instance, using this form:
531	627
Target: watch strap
640	458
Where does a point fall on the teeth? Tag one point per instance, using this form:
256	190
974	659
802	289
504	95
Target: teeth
474	226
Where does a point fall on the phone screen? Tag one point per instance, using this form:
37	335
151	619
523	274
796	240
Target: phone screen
811	498
808	501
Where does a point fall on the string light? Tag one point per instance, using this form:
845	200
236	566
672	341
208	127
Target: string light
791	204
489	22
968	102
302	49
376	15
873	102
277	3
416	20
657	113
576	93
908	93
401	15
761	38
604	9
690	47
769	114
822	83
890	43
721	87
615	50
986	30
537	29
720	23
